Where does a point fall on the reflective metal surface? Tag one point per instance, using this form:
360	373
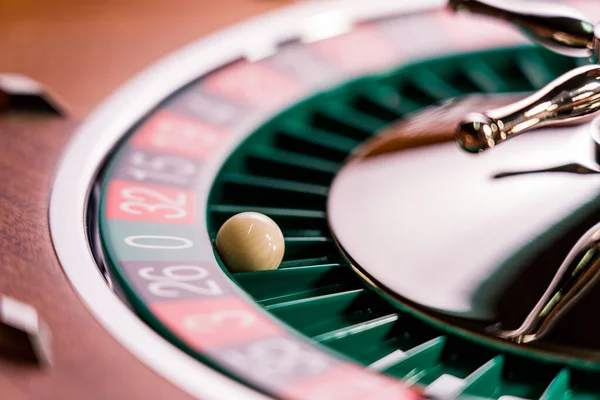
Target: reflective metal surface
573	168
556	26
438	228
569	98
572	96
577	275
484	235
432	125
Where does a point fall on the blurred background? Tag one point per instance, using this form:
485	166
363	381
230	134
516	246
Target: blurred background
85	49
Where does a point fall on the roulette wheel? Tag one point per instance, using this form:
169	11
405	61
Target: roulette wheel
410	269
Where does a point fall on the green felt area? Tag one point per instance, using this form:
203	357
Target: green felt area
284	170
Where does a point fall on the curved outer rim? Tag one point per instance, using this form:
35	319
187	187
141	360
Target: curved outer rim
94	139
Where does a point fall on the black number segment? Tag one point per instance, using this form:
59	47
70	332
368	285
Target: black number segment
166	170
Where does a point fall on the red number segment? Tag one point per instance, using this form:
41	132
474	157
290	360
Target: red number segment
215	323
358	51
150	203
349	382
253	83
167	132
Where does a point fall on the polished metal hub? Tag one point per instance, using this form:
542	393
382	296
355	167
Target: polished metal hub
451	233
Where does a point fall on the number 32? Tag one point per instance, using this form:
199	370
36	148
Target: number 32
138	197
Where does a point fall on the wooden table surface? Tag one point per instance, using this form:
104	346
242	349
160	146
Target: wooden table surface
84	50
